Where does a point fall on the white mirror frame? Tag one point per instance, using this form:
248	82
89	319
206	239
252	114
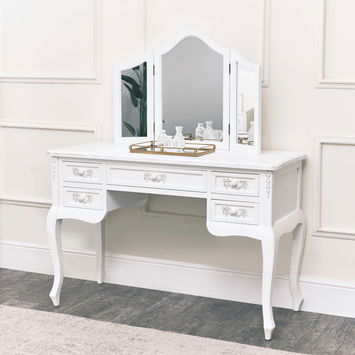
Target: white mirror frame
236	59
231	58
148	58
158	53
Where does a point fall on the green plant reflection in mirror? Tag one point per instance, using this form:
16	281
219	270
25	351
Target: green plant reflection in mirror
134	101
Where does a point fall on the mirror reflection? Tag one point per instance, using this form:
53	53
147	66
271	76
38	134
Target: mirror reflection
246	101
134	101
192	91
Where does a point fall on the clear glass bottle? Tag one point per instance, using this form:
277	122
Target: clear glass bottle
208	134
199	131
162	138
218	134
179	139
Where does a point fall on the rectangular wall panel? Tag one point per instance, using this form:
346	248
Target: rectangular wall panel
25	164
335	196
49	39
32	229
337	50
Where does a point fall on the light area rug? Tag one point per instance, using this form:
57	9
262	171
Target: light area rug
28	331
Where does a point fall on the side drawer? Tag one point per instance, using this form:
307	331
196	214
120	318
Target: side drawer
82	172
190	180
82	198
233	183
235	212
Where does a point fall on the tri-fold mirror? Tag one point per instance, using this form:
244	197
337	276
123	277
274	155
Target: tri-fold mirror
213	93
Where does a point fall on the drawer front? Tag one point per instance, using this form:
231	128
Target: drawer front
237	184
82	198
235	212
164	179
82	172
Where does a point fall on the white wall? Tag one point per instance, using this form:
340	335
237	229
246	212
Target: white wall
56	89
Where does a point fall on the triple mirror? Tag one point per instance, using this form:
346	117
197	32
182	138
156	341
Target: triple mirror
211	92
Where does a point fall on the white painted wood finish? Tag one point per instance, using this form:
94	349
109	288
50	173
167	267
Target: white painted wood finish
269	160
239	194
82	172
55	244
100	254
235	212
82	198
236	184
160	178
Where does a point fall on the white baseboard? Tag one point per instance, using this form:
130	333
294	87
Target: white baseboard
321	296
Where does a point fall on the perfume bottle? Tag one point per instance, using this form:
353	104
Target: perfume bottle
199	131
218	134
179	139
162	138
208	134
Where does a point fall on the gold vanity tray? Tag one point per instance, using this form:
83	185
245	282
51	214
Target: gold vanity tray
190	149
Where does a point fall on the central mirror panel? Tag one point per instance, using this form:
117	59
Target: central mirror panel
192	90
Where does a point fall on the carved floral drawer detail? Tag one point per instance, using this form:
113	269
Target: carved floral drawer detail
82	198
86	173
237	184
235	212
149	177
189	180
82	172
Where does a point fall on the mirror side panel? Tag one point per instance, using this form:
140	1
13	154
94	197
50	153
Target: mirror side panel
133	101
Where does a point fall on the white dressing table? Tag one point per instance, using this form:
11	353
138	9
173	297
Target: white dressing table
256	197
248	192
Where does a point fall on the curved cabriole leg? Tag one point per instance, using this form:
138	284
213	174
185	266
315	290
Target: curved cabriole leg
55	244
269	247
100	254
299	235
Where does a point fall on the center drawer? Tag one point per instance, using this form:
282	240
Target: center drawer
189	180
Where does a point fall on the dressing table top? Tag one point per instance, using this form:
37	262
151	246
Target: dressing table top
267	160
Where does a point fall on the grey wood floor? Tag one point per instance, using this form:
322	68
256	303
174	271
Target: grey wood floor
304	332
